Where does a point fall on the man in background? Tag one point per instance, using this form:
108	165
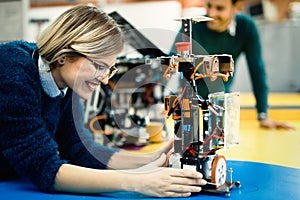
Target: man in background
233	33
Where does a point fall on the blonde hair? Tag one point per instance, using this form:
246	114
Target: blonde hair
83	29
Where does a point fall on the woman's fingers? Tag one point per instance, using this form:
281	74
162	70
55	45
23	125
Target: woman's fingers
185	173
170	182
176	194
188	181
183	188
160	161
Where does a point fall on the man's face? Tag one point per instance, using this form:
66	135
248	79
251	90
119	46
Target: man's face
222	11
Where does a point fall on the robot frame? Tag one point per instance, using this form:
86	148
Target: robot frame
201	126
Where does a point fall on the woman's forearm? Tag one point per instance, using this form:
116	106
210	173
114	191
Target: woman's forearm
156	181
123	160
75	179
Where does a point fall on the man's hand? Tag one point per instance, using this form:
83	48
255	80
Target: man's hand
272	124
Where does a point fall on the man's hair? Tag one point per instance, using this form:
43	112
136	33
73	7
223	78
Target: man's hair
83	29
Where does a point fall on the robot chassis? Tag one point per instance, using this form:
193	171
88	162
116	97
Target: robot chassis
201	126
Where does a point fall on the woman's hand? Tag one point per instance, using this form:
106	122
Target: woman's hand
169	182
153	165
167	150
123	160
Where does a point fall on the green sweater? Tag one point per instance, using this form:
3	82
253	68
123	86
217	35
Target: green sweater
246	39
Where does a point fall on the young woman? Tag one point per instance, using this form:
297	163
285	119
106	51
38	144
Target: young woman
42	136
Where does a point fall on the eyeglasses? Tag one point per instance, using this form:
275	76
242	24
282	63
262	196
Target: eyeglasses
103	71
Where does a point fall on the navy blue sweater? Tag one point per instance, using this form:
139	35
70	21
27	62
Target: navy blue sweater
39	133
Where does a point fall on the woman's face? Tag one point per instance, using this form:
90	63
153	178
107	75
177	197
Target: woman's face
82	75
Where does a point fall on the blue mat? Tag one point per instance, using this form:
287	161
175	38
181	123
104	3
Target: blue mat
258	181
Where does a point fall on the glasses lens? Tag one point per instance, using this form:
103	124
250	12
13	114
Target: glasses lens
103	71
100	71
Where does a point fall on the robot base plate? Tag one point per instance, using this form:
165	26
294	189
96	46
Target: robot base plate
222	189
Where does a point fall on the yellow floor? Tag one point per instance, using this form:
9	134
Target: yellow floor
280	147
275	100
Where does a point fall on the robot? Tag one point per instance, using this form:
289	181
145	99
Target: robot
201	126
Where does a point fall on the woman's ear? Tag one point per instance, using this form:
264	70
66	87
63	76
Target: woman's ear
61	60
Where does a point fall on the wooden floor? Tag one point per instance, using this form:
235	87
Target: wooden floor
280	147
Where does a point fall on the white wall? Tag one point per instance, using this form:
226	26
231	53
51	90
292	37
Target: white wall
155	21
49	13
280	44
13	19
144	16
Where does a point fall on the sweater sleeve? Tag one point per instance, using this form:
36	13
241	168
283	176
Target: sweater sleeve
253	52
24	140
76	143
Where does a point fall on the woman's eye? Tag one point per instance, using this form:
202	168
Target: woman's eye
101	67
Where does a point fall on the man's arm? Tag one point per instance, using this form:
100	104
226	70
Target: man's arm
253	51
256	66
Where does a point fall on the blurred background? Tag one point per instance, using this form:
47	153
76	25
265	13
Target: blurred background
278	22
